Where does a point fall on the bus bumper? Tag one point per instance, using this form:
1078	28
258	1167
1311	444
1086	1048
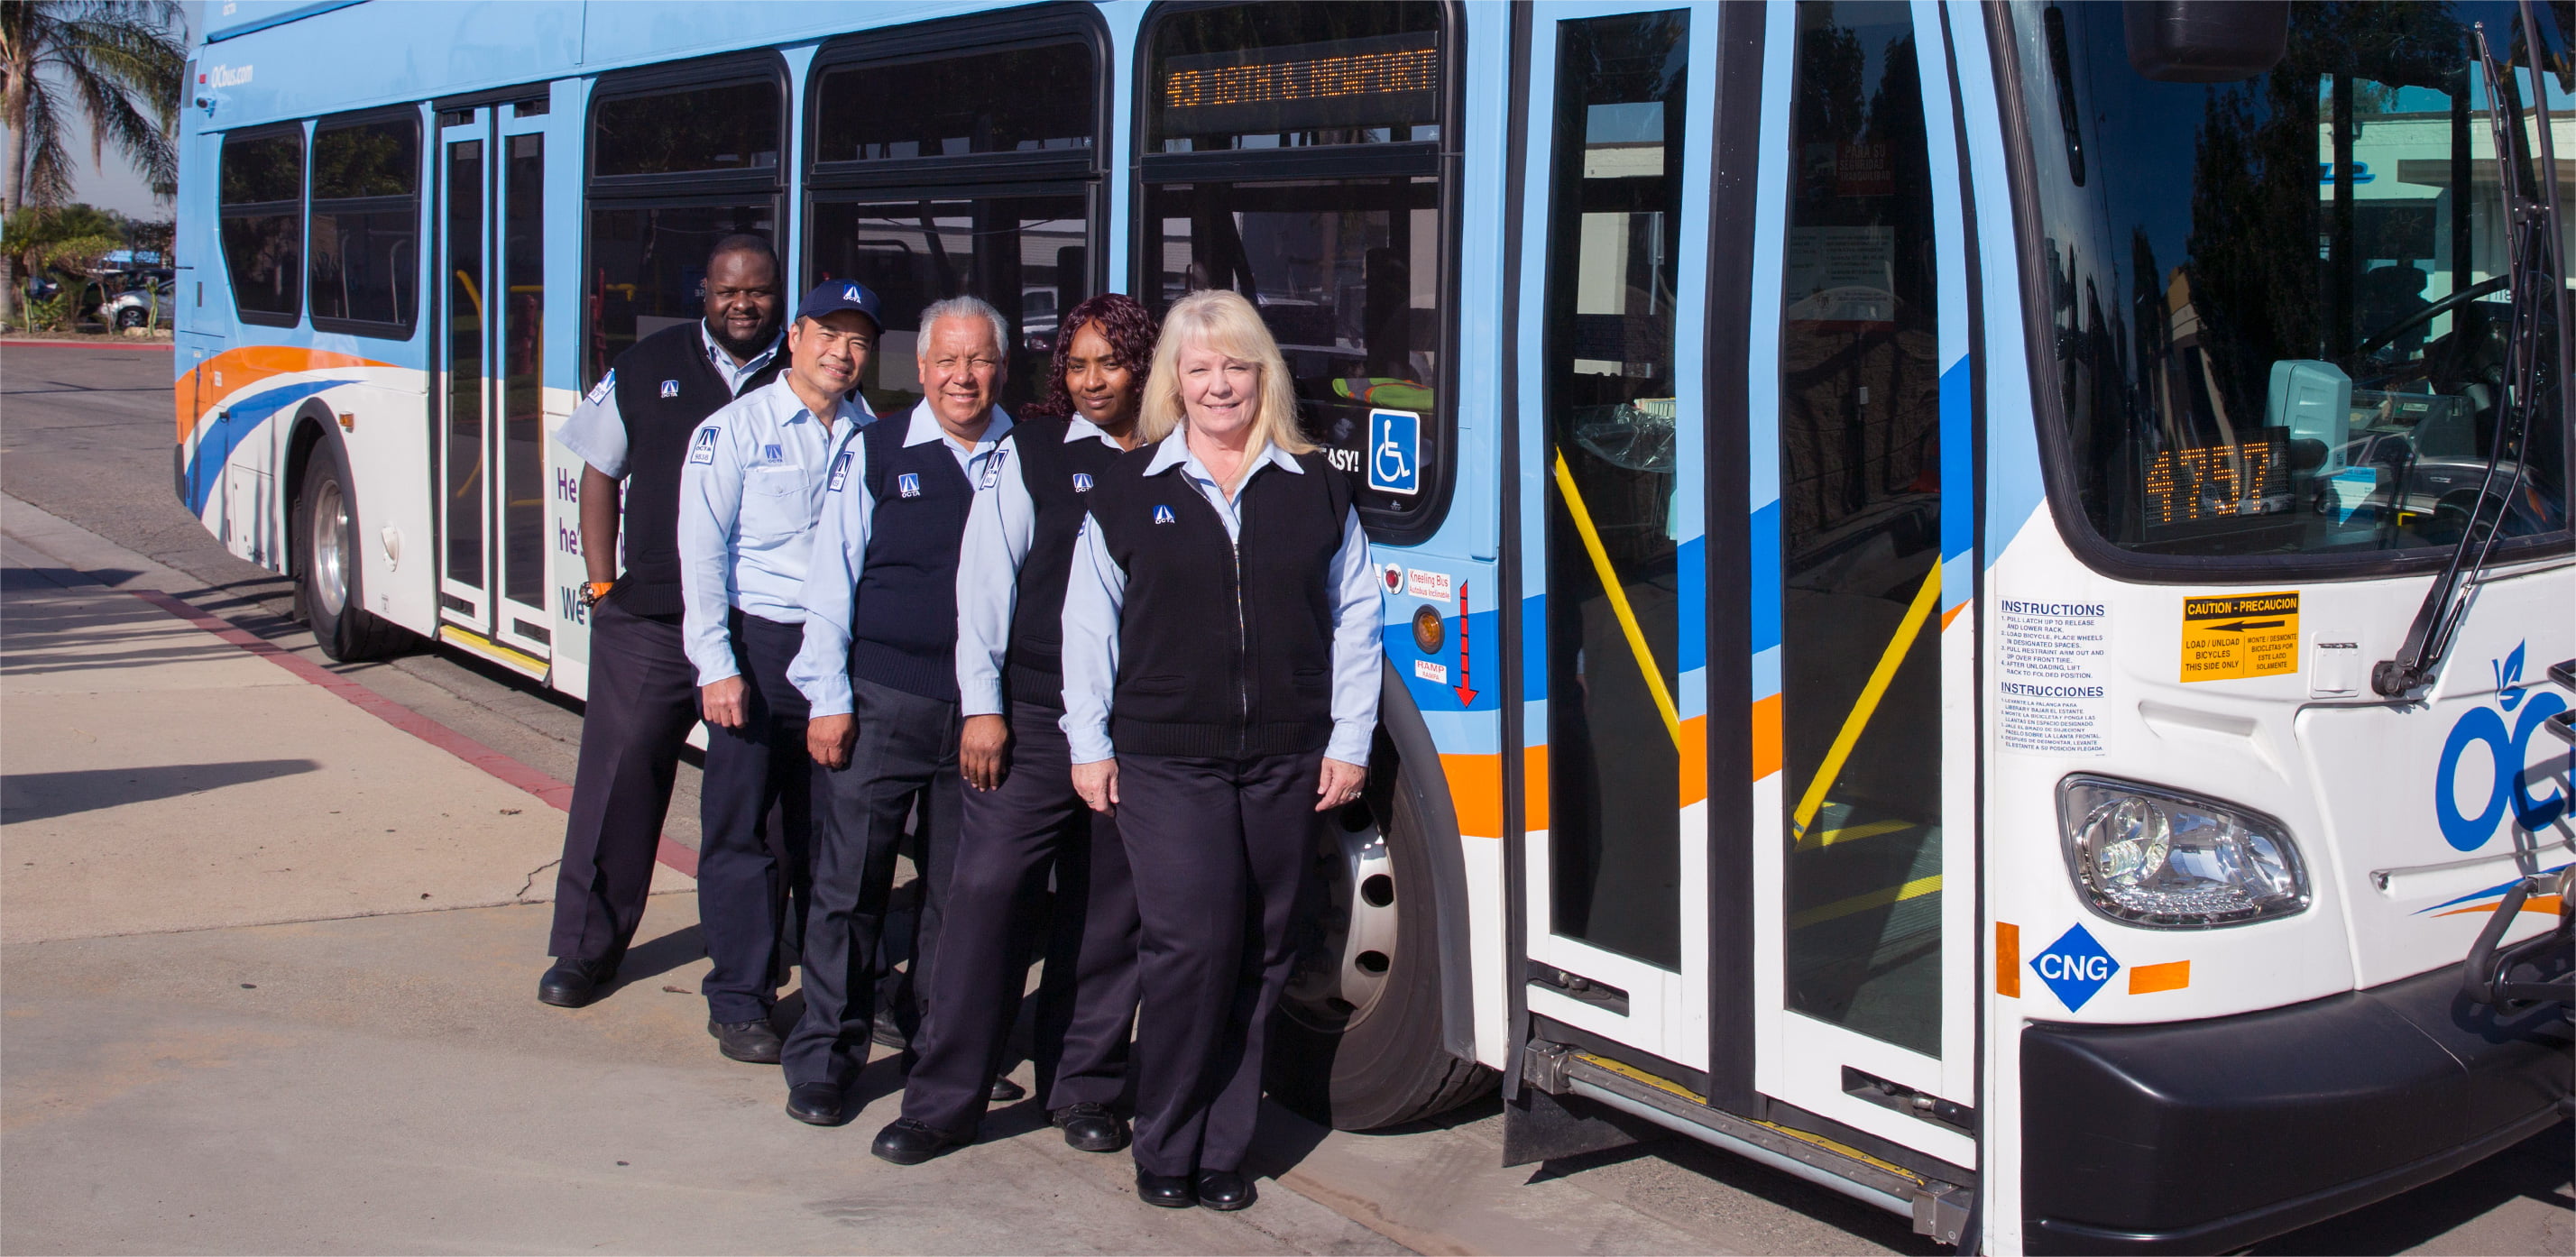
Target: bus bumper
2206	1136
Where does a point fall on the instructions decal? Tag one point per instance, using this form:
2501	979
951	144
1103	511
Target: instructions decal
2055	679
2240	635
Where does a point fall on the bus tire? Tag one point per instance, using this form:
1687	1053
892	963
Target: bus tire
327	568
1377	1060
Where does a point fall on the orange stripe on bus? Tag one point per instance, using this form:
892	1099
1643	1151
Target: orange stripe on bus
2170	976
1952	614
245	367
1766	736
2007	960
2547	905
1476	791
1694	748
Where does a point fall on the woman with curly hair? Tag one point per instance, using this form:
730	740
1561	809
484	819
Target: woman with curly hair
1022	818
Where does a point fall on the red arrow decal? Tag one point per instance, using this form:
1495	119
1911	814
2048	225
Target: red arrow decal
1466	695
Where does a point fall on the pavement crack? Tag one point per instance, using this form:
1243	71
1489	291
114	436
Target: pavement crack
533	874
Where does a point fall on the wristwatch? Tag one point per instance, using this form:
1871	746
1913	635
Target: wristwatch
592	592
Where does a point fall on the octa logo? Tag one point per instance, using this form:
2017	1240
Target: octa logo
2510	751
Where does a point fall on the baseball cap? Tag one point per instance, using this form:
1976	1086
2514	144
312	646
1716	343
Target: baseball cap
835	295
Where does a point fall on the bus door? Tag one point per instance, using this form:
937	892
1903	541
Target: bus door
489	408
1612	461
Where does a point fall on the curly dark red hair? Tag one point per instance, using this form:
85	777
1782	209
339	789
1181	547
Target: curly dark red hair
1130	332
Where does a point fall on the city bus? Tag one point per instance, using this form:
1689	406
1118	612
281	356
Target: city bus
1978	596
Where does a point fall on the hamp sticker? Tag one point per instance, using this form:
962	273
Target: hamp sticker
1394	457
703	450
2075	966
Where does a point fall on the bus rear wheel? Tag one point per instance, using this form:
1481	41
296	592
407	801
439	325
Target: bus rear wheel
325	527
1357	1040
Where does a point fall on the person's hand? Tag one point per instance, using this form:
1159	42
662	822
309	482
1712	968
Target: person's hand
1340	783
726	703
983	750
828	739
1097	783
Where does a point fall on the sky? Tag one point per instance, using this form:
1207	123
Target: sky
113	184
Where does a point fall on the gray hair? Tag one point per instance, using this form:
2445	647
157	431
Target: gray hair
964	308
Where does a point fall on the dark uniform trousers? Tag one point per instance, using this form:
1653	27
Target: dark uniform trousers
643	698
906	748
744	886
1223	855
1012	838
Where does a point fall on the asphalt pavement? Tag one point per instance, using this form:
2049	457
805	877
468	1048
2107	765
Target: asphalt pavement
269	928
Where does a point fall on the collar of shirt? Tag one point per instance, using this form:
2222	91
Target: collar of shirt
779	403
925	428
1174	451
1077	428
723	362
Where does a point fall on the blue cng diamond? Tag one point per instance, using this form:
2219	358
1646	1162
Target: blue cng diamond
2075	966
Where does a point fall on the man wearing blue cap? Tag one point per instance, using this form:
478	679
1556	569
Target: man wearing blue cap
879	668
753	483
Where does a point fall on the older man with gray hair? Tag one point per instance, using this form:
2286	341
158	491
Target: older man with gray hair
879	670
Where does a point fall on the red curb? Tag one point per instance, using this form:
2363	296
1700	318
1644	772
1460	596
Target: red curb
83	344
555	794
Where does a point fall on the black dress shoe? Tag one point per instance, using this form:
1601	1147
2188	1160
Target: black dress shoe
907	1142
1224	1190
886	1033
1090	1127
572	983
749	1041
1165	1191
815	1103
1004	1091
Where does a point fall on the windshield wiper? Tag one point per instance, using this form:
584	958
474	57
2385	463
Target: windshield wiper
2530	382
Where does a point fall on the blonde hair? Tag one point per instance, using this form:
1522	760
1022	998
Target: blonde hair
1223	321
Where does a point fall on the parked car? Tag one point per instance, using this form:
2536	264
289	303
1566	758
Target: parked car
146	302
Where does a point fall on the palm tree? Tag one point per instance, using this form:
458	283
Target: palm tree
118	62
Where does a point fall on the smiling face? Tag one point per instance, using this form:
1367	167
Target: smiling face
961	373
743	301
1103	389
830	353
1220	393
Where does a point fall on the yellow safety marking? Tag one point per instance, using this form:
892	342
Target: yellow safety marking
1667	1085
1915	889
480	644
1926	597
1844	1149
1635	1074
1619	600
1828	837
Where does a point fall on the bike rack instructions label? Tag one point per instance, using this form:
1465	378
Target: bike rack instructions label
2240	635
2055	680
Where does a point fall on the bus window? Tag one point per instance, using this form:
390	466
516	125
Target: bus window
680	157
263	223
366	225
1341	243
928	184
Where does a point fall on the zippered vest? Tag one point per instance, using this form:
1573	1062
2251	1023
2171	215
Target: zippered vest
672	361
1225	648
1059	476
904	626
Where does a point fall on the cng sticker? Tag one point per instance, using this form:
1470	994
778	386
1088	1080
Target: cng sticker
2240	635
2075	966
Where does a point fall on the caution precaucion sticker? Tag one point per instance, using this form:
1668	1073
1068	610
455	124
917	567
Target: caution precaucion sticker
2240	635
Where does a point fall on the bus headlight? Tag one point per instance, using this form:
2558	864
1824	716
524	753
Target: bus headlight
2152	857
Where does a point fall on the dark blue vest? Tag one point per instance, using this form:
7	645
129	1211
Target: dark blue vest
905	624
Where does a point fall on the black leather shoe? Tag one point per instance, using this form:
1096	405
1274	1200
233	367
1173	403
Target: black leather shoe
815	1103
572	983
1090	1127
1224	1190
907	1142
1165	1191
1005	1091
749	1041
886	1033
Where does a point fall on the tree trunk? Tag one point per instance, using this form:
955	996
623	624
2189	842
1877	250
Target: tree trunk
13	110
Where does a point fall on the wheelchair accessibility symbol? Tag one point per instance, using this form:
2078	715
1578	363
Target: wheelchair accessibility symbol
1394	464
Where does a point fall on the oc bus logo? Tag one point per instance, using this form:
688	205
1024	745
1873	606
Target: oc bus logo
2510	749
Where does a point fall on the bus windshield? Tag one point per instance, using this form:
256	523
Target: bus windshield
2278	305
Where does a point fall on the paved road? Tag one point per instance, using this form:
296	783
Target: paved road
85	436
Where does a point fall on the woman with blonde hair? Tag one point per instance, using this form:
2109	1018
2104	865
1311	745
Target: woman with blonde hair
1220	690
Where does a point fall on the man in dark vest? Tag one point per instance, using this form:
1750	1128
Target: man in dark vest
879	671
634	426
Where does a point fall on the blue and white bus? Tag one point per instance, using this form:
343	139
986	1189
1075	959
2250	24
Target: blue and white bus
1976	593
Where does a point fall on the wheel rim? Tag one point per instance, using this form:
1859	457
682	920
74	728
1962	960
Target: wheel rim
330	548
1342	973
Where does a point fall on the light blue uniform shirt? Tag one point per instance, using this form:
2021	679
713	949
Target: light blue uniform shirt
1095	592
821	670
749	493
596	433
998	536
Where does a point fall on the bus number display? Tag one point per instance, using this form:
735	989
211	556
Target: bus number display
2214	481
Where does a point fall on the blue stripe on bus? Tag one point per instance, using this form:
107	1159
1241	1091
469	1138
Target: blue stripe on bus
233	425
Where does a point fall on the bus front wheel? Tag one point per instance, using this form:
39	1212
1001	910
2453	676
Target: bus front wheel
327	565
1357	1039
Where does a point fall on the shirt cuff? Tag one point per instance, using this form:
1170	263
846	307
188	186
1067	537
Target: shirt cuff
830	696
982	697
1350	742
714	664
1088	745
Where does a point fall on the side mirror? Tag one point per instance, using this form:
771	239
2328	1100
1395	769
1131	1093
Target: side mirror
2205	41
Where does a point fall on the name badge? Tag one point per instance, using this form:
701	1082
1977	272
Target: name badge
993	466
840	472
704	451
908	484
